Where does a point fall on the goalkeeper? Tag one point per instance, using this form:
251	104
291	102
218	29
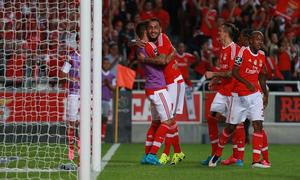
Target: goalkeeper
70	71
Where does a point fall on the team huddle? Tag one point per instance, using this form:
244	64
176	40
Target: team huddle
242	94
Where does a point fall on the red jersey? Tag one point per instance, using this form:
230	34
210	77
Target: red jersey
211	16
272	69
183	62
164	46
226	62
284	61
144	15
250	66
163	17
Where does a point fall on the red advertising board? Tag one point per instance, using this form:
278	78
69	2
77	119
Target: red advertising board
31	107
141	109
287	109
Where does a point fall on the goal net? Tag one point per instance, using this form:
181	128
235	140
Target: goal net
36	38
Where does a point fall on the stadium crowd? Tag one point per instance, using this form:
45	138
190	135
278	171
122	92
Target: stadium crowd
36	36
195	23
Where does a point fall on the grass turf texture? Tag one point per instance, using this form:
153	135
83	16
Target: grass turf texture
125	164
40	156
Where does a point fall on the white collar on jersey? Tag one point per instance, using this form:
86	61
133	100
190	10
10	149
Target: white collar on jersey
228	45
252	52
182	55
105	73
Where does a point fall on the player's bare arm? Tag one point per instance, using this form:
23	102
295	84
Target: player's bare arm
213	82
67	77
225	74
137	42
157	60
161	59
262	78
237	76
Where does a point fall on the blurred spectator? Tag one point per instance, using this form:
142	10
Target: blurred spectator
272	68
205	61
271	42
162	15
52	27
284	59
114	57
209	16
146	9
231	11
184	62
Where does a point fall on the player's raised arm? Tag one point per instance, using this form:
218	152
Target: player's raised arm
236	73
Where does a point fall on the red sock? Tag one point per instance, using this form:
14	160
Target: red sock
240	141
222	141
213	133
103	130
150	136
234	145
257	144
176	141
168	141
71	136
264	150
159	137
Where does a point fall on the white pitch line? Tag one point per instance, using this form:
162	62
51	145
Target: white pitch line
106	158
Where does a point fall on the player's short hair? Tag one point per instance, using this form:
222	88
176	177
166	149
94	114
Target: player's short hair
141	28
232	30
257	32
155	20
246	33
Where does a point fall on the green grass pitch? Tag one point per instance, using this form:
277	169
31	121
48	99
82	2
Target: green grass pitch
125	165
40	156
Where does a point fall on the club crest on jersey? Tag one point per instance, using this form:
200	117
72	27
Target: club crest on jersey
255	62
155	51
238	61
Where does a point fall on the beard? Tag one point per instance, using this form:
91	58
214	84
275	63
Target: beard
153	39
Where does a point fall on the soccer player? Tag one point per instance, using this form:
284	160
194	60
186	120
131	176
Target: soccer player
156	91
70	71
161	46
239	136
249	72
175	85
108	86
220	105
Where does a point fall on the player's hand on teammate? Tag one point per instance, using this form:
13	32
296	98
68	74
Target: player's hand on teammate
140	43
212	84
250	87
141	57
